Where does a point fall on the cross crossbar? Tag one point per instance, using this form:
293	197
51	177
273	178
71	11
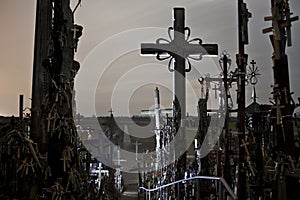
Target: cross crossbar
185	50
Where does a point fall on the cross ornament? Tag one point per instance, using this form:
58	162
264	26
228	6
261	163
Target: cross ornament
253	73
76	31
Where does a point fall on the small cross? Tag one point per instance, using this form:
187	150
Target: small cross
75	30
111	112
278	108
253	72
216	89
286	95
253	63
244	144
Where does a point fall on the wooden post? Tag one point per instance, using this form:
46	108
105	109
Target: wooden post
243	17
40	78
21	106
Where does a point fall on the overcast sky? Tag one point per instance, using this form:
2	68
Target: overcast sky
107	22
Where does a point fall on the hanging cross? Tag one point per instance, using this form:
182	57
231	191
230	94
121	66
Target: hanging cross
77	31
179	48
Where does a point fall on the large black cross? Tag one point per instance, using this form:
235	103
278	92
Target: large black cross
179	48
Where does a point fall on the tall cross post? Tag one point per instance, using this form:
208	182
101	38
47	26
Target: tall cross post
283	130
179	48
241	59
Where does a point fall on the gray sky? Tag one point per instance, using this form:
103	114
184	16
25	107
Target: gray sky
214	21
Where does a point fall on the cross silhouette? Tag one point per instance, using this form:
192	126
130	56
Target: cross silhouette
179	48
245	144
111	112
253	72
281	18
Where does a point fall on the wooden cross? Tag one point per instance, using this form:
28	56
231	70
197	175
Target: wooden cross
244	144
180	49
286	95
288	23
278	108
281	18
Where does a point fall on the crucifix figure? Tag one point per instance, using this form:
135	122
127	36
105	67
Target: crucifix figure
245	18
179	49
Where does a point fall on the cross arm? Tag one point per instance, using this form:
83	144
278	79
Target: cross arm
152	48
204	49
184	49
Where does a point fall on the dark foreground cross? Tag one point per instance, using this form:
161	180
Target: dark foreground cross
179	49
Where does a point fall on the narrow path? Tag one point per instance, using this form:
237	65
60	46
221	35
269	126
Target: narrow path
130	186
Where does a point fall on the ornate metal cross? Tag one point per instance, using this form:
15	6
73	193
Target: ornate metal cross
179	48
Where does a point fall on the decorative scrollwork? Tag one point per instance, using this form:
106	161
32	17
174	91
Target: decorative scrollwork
163	56
253	72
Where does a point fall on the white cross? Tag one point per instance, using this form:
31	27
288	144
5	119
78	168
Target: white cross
74	31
